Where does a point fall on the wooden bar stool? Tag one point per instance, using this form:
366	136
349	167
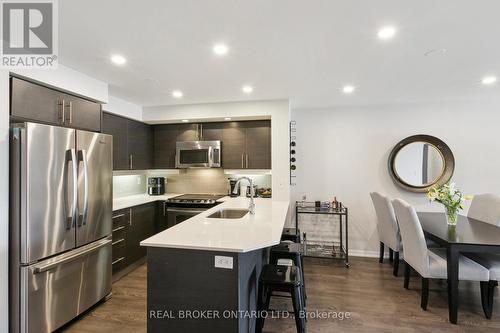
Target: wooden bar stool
283	279
291	234
292	251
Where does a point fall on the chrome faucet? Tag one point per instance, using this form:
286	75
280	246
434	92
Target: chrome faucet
251	206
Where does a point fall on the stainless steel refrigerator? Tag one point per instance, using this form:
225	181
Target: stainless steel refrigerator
60	224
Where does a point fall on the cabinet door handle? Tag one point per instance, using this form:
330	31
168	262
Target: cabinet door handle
118	229
242	160
60	106
164	208
70	110
118	260
246	160
131	161
118	241
130	217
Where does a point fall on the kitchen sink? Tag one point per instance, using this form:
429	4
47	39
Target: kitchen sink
228	214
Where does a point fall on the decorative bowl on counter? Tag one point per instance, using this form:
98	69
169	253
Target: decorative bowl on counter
265	192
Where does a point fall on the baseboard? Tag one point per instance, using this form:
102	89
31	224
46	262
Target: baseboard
369	254
132	267
364	253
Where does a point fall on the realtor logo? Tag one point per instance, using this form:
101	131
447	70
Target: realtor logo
29	33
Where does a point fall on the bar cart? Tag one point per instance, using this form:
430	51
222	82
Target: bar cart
333	249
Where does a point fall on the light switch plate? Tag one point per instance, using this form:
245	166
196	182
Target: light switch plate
224	262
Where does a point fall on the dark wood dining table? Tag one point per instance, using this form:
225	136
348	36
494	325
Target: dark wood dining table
469	235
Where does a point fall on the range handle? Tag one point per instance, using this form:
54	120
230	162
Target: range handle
186	210
71	257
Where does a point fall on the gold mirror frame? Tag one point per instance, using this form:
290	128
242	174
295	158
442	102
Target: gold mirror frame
444	150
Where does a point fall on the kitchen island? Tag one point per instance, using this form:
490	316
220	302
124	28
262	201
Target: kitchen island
203	273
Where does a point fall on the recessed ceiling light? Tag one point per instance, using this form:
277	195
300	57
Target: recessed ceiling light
489	80
118	59
386	32
220	49
227	118
348	89
185	120
247	89
435	52
177	93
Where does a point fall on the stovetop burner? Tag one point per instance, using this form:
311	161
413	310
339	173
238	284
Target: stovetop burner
202	199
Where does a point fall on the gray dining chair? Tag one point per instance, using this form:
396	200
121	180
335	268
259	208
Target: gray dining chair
430	263
388	229
486	208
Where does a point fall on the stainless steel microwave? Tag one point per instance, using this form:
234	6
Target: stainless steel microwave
198	154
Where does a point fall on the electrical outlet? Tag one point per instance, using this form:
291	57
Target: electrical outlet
224	262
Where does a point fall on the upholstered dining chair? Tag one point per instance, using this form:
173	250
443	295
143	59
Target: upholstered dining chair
486	207
430	263
388	229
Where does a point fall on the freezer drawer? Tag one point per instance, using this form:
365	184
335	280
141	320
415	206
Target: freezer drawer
57	290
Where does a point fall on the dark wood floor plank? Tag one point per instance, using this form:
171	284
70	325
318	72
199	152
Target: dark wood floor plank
375	298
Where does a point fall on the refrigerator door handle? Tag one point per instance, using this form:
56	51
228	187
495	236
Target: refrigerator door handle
74	177
67	258
83	158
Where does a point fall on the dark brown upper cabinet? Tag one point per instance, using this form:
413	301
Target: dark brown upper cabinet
187	132
165	138
258	144
211	131
247	145
132	142
234	145
32	102
118	128
140	145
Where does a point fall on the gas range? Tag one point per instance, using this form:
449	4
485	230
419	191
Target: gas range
195	199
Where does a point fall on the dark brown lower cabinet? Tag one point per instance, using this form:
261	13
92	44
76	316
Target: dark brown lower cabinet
161	216
119	250
130	227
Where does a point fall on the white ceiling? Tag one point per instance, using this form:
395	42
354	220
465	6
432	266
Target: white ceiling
304	50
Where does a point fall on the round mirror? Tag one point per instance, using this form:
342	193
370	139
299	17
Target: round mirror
421	161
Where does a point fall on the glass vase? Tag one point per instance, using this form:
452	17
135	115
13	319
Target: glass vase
451	216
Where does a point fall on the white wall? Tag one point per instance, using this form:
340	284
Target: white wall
278	111
344	152
123	108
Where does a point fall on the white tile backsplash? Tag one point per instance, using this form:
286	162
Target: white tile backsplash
124	185
184	181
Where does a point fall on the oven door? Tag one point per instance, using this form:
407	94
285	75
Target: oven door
201	154
176	215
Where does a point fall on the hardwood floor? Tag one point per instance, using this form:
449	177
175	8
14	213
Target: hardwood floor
375	299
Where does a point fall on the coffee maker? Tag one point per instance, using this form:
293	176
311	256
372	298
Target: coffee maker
232	184
156	185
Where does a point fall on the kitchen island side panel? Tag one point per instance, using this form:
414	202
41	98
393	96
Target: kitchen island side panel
250	266
183	282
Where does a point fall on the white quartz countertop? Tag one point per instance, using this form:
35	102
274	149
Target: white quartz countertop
139	199
251	232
